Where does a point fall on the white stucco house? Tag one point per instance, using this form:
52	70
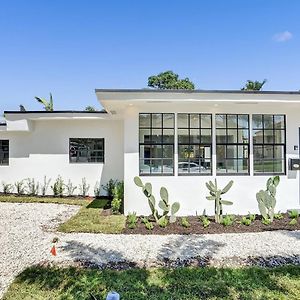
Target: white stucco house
177	139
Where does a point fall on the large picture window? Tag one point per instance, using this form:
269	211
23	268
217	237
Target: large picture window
86	150
4	152
156	143
269	144
194	143
232	143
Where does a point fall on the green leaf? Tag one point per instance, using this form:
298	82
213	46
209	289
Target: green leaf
148	188
137	180
276	180
175	208
164	194
162	205
210	198
225	202
227	187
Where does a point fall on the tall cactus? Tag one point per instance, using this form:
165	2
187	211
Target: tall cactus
163	204
147	190
267	199
215	195
166	207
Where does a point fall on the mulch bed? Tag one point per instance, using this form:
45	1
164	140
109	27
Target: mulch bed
197	227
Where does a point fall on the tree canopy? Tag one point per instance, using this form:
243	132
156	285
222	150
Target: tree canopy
253	85
170	81
48	105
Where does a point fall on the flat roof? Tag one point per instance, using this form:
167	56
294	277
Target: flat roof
54	112
146	90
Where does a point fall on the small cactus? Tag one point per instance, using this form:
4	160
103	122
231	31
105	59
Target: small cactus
267	199
215	195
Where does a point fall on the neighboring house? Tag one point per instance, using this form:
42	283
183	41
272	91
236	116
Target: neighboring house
176	139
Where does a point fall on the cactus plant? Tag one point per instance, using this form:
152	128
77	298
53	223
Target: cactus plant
215	195
163	204
267	199
147	190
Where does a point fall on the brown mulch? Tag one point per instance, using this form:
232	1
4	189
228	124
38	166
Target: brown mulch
197	227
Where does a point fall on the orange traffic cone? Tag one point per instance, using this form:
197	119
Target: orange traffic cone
53	250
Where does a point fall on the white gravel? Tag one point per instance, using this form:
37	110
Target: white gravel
26	232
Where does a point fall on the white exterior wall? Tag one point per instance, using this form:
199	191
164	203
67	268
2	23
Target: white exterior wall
45	151
191	191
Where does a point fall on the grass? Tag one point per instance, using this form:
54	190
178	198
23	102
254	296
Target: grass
183	283
29	199
88	219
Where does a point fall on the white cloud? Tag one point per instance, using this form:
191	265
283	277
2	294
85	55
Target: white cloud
282	36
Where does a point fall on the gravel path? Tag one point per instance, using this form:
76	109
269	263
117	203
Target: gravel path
26	231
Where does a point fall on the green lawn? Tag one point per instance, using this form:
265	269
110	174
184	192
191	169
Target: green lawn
88	219
28	199
164	284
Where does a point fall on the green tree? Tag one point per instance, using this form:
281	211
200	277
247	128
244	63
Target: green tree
90	108
48	105
253	85
170	81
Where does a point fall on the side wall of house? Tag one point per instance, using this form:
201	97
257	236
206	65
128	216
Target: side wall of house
44	151
191	191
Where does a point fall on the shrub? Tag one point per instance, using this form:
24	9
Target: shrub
149	225
185	223
278	216
109	187
7	188
205	221
163	222
20	188
252	217
58	187
132	220
70	188
266	221
227	220
116	205
45	186
84	187
246	221
293	222
97	190
293	214
32	187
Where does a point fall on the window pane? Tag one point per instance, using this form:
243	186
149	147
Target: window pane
182	120
4	152
157	120
167	151
156	136
232	121
221	136
168	166
145	120
168	120
258	136
194	136
194	121
243	166
205	121
86	150
145	166
232	136
183	136
221	152
243	121
242	152
145	135
231	166
231	152
205	136
220	121
168	136
243	136
279	122
279	166
268	121
257	122
279	152
279	136
185	151
269	136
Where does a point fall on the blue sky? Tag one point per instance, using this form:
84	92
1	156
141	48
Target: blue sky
70	48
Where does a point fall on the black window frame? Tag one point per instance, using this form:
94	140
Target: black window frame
161	143
226	144
3	152
191	143
101	161
273	144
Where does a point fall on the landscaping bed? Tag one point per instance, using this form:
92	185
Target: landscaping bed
196	226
